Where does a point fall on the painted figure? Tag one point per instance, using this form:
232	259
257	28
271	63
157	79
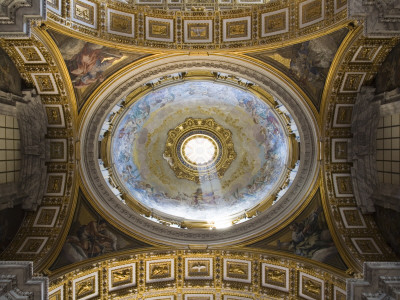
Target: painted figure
94	238
90	240
310	238
89	64
133	131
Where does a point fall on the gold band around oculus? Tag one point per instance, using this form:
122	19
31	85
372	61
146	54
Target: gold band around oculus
219	137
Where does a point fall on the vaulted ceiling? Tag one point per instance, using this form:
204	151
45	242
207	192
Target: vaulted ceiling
281	78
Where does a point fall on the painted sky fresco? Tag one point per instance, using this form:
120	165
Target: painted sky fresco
90	64
140	137
90	236
307	63
307	236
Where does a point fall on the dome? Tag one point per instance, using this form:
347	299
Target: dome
142	162
200	151
115	184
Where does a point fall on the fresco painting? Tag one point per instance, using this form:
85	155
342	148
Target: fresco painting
263	147
307	63
90	64
91	236
10	80
307	236
388	77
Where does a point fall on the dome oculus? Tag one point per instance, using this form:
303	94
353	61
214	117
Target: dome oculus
199	150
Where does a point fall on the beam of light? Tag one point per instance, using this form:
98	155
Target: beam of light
210	186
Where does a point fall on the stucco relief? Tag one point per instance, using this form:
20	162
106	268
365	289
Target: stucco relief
16	17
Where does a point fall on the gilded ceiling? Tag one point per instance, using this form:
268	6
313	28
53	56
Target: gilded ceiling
255	26
280	79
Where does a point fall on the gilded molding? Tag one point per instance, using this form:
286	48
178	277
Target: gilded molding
37	61
354	66
216	64
218	274
147	28
220	138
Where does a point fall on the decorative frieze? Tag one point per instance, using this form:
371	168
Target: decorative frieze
233	26
184	275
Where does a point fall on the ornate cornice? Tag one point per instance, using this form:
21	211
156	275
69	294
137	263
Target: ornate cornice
212	274
380	281
16	17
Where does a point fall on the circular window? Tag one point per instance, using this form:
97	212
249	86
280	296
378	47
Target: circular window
199	149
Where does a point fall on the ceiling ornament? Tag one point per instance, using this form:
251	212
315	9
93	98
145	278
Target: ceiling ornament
347	219
360	58
19	281
150	165
199	150
147	88
39	68
380	18
199	274
238	25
